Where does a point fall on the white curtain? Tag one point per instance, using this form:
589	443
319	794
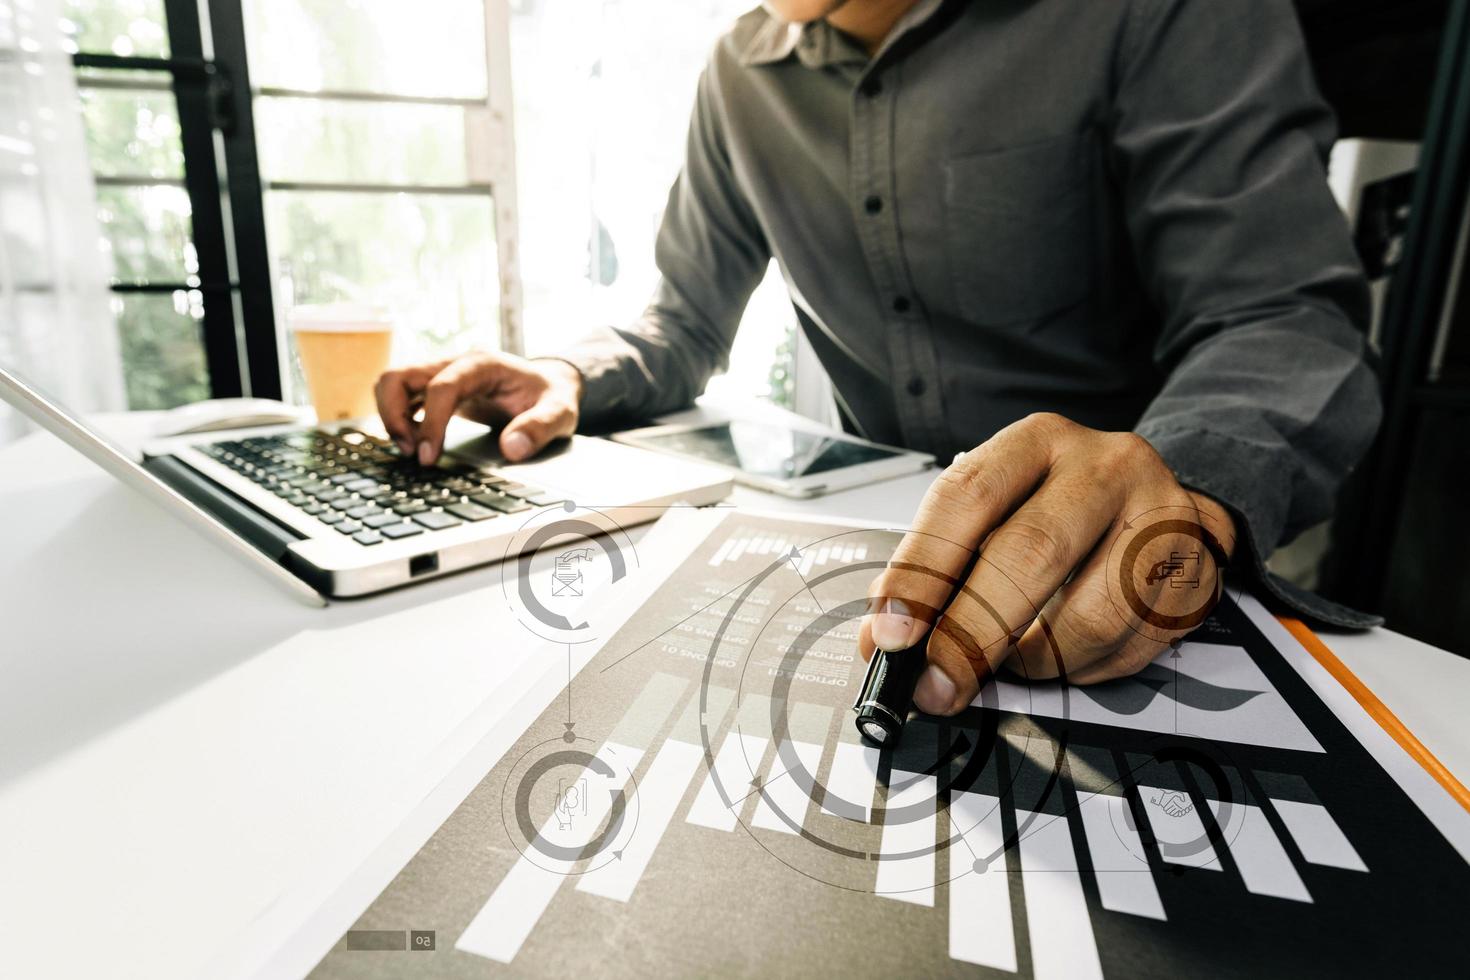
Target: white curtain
56	321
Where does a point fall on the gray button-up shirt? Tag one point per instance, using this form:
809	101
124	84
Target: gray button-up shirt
1115	210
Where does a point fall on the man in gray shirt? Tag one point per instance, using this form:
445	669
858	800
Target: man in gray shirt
1089	245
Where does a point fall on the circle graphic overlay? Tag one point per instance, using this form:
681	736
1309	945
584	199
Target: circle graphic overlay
1172	779
962	747
1168	572
570	807
557	566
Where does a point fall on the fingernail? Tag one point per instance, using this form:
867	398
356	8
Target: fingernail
893	629
517	445
935	692
426	454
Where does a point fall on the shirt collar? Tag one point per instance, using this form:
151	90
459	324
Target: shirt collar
818	44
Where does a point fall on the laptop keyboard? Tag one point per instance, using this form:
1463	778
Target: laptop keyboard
365	489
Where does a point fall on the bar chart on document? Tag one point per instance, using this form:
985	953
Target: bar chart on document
709	810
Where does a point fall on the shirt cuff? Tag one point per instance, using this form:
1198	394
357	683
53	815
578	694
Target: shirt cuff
1253	482
604	379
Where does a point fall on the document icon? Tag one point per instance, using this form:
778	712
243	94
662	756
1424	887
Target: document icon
566	577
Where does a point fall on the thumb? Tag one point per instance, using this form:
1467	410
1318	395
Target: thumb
528	433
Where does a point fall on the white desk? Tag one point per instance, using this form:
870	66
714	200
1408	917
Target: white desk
180	745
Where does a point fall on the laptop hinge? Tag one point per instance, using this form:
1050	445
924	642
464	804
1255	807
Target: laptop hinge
255	527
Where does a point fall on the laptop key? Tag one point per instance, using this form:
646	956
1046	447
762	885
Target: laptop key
381	520
399	530
359	484
345	503
437	520
349	527
331	517
500	502
366	510
470	512
543	499
408	507
367	537
314	508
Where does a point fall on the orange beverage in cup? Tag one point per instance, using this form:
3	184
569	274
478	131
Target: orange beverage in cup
343	349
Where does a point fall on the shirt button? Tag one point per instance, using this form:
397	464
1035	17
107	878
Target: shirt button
872	87
916	386
873	204
901	304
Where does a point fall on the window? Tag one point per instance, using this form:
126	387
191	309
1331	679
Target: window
380	133
133	137
364	153
603	91
380	128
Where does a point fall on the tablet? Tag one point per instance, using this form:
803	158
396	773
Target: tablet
782	459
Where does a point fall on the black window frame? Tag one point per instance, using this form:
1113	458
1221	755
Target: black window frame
211	85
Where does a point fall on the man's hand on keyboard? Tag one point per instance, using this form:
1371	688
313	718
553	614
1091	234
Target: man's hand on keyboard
534	402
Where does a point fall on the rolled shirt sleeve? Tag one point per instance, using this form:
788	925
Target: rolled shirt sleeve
711	254
1219	140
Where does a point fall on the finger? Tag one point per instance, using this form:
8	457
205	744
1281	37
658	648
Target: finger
1135	653
396	393
968	499
1078	625
528	433
461	379
1089	629
1024	563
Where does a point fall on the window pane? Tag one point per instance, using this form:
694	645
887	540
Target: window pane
162	348
121	27
427	47
360	142
147	229
428	259
133	134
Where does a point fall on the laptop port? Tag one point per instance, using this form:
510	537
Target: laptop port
423	564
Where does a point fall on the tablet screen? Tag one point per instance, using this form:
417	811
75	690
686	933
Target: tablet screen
767	450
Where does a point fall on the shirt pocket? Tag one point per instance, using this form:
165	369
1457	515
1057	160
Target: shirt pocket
1018	230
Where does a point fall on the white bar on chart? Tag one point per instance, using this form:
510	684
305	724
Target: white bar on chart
980	926
659	793
847	553
739	757
784	793
861	553
822	554
501	926
722	551
1057	924
853	778
1263	862
909	879
778	547
1124	881
1318	836
808	557
1181	838
738	550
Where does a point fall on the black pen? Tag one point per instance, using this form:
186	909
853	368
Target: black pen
887	693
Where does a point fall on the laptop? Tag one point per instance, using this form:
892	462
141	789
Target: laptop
336	511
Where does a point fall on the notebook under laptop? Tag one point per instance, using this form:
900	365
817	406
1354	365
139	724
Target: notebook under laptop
337	511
